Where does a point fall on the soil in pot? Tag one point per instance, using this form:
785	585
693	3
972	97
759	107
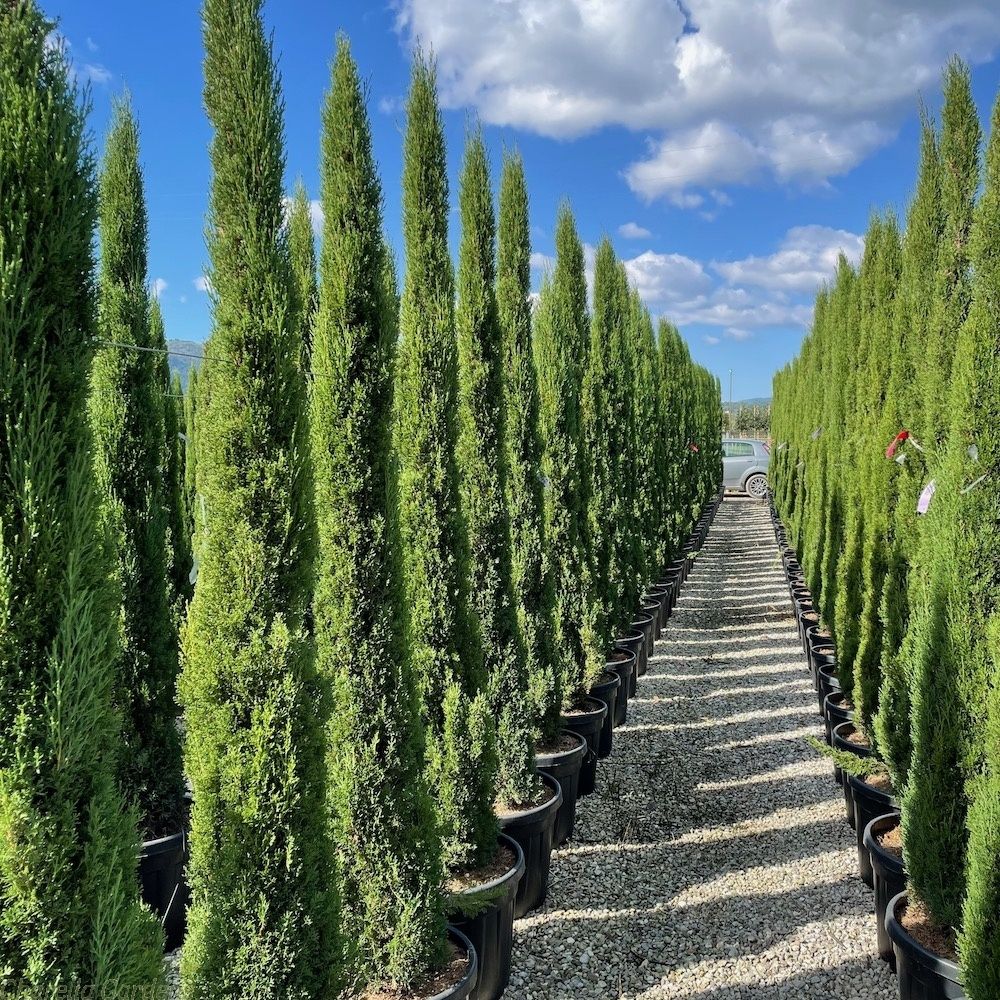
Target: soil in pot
622	661
607	690
481	906
925	954
455	979
884	842
533	828
848	738
587	720
563	761
163	885
872	797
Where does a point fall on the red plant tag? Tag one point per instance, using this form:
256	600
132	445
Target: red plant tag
896	442
693	446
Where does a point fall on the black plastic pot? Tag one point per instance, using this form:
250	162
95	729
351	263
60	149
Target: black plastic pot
606	689
163	885
534	830
821	652
587	722
890	878
835	711
828	681
622	662
660	595
808	617
565	766
651	608
461	990
491	929
869	802
841	742
921	974
644	622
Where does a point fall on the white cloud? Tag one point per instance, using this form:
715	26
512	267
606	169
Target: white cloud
94	73
710	340
662	277
736	333
633	231
729	90
202	283
159	286
92	46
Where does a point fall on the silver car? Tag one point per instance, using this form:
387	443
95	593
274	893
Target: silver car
744	466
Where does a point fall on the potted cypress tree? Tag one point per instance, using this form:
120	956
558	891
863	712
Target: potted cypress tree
482	871
72	918
127	414
261	918
526	804
383	826
560	338
302	255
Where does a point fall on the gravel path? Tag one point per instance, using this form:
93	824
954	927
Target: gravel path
713	861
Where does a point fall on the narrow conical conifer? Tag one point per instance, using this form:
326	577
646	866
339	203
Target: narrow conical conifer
446	645
261	917
534	593
388	852
70	917
175	431
483	465
302	253
130	446
191	452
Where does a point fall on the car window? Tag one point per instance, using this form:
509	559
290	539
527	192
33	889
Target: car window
737	449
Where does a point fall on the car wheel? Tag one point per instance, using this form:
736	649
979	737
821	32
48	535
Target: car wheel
756	486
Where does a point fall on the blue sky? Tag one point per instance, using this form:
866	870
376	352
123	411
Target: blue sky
730	148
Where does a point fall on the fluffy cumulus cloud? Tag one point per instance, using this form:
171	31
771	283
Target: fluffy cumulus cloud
727	90
633	231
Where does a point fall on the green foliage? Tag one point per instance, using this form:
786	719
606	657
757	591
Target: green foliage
384	832
191	455
534	594
483	465
175	433
69	910
127	415
302	255
260	922
447	651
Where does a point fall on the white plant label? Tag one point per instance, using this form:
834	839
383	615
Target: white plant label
926	495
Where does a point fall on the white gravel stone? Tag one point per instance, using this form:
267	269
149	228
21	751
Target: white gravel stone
713	862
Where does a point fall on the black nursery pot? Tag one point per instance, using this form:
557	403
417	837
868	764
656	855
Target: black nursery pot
644	622
607	690
921	974
660	595
564	766
587	722
623	662
650	606
534	830
869	802
835	711
841	742
822	653
828	682
890	878
163	885
808	618
491	929
461	990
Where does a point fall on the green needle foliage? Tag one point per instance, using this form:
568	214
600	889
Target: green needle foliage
559	339
260	922
672	358
534	594
70	916
483	464
648	440
191	454
388	852
447	652
608	429
175	431
302	253
127	415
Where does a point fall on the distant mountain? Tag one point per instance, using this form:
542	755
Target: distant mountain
738	404
184	355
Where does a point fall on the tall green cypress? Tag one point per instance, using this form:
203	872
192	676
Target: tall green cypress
260	922
175	432
127	414
974	608
645	400
191	453
534	594
559	339
674	405
70	916
483	465
446	646
388	852
302	254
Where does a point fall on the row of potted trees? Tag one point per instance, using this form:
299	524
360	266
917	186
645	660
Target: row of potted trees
401	553
885	482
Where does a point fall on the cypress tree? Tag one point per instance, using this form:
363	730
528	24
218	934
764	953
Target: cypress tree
127	414
483	464
302	253
191	453
70	916
446	646
559	339
673	392
260	922
534	594
644	399
388	852
175	433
